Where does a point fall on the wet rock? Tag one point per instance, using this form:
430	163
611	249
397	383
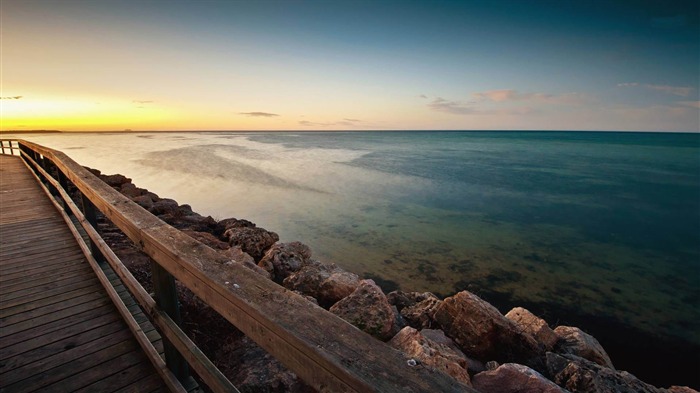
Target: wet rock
421	315
115	180
327	283
431	354
368	309
229	223
481	331
580	375
402	299
514	378
536	327
576	342
438	336
164	206
254	241
208	239
283	259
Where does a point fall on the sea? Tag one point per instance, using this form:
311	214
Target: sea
599	230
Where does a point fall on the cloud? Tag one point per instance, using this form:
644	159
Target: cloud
423	96
454	107
142	102
692	104
680	91
11	98
353	120
345	122
505	95
258	114
307	123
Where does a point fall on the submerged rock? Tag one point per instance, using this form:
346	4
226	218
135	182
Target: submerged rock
535	326
254	241
514	378
580	375
483	332
368	309
283	259
431	354
577	342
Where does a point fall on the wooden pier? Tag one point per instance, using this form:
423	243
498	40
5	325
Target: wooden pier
73	318
59	330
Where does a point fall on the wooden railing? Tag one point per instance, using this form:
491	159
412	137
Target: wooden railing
9	147
328	353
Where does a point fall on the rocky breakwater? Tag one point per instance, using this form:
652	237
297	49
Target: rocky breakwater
462	335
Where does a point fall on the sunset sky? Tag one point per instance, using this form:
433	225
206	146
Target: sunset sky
96	65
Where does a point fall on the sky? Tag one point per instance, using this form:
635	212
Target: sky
93	65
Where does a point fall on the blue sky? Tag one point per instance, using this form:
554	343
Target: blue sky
268	65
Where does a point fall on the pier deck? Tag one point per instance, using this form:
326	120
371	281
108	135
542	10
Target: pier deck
59	330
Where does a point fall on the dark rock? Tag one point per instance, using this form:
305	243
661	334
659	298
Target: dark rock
145	201
164	206
193	222
577	342
580	375
514	378
367	309
431	354
229	223
481	331
208	239
402	299
236	255
534	326
399	322
681	389
492	365
254	241
283	259
327	283
421	315
115	180
130	190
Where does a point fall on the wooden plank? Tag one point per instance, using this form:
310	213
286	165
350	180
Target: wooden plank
50	322
21	301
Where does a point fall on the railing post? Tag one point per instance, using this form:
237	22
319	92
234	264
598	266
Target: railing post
91	216
166	299
63	181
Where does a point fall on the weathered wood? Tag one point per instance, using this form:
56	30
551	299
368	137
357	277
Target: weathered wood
327	352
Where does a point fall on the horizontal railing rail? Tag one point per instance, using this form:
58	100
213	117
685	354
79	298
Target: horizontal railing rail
9	147
327	352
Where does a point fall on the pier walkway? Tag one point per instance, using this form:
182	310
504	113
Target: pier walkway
59	330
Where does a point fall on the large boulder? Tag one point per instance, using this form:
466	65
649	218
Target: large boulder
431	354
577	342
115	180
283	259
514	378
130	190
580	375
326	283
402	299
164	206
254	241
229	223
367	309
535	326
421	315
483	332
438	336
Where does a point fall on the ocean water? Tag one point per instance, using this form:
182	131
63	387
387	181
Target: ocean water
598	230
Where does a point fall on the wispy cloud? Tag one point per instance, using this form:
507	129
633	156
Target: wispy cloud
692	104
454	107
307	123
142	101
344	122
680	91
258	114
505	95
11	98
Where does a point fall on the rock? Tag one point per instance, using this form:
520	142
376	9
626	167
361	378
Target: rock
481	331
575	341
534	326
254	241
145	201
115	180
580	375
236	255
681	389
283	259
421	315
327	283
367	309
438	336
431	354
229	223
164	206
402	299
492	365
130	190
208	239
514	378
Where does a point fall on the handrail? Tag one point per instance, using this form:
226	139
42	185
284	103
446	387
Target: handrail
11	145
328	353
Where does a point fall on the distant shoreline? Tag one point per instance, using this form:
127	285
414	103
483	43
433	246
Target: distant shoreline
342	131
